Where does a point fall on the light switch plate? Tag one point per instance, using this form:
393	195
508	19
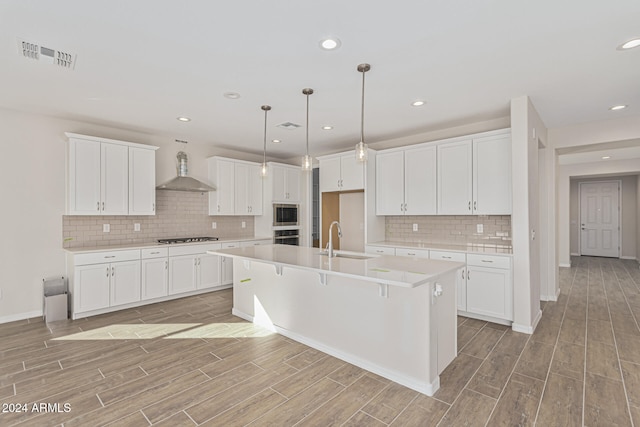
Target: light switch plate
214	225
106	228
480	228
415	227
136	227
244	224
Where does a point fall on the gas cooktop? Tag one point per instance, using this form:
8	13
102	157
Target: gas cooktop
186	240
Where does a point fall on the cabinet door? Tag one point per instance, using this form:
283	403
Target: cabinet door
351	173
226	273
114	161
91	287
155	278
254	183
489	292
492	175
279	183
390	183
142	181
420	181
125	282
84	178
292	184
455	178
182	273
222	174
208	271
330	174
241	184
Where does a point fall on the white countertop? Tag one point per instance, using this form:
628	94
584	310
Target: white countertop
155	244
390	270
485	248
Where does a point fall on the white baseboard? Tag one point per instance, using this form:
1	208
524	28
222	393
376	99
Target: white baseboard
20	316
629	257
526	329
425	388
575	254
564	265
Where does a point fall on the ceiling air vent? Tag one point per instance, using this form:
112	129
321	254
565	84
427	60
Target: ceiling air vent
46	54
288	125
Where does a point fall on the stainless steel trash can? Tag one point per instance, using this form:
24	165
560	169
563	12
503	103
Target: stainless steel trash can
55	300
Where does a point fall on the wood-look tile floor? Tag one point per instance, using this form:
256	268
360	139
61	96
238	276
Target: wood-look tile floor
189	362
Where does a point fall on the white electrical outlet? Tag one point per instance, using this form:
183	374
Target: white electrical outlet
214	225
244	224
415	227
136	227
480	228
106	228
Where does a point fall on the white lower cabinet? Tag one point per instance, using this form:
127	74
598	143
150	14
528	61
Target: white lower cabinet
489	286
191	268
91	287
155	273
125	282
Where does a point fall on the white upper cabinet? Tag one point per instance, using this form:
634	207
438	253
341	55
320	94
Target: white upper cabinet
222	175
142	182
248	189
492	175
341	172
406	182
286	183
238	187
108	177
455	176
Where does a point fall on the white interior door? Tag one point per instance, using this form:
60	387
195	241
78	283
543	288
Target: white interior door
599	218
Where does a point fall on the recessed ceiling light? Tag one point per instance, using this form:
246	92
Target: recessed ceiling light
606	157
231	95
617	107
184	119
276	141
327	127
331	43
417	103
630	44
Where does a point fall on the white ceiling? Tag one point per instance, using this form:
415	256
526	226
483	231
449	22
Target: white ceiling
140	64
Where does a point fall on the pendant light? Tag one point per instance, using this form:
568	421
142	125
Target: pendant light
263	169
307	161
361	147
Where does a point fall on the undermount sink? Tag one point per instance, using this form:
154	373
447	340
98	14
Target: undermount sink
347	255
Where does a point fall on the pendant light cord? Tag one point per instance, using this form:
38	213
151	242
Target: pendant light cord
362	109
264	145
308	122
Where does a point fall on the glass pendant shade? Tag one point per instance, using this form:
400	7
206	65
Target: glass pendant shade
361	147
263	168
307	161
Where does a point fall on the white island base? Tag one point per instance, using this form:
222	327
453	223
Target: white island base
405	334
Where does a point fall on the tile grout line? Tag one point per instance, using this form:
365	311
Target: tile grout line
615	343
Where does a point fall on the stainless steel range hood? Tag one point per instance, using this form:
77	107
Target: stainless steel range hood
183	182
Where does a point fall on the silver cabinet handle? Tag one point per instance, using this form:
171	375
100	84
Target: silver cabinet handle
153	253
469	204
107	271
110	256
462	270
486	260
98	206
113	271
410	253
102	205
379	251
166	265
446	257
195	261
475	205
468	275
198	261
218	208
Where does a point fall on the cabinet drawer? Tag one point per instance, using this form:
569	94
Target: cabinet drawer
448	256
382	250
255	243
105	257
192	249
492	261
230	245
155	253
417	253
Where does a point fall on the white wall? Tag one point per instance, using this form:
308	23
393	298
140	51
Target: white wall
527	132
638	219
33	198
628	208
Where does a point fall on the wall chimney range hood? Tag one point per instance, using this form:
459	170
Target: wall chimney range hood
183	182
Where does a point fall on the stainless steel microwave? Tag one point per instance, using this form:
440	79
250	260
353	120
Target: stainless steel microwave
285	214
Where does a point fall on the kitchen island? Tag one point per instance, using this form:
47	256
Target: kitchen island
391	315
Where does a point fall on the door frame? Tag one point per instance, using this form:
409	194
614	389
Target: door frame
619	181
